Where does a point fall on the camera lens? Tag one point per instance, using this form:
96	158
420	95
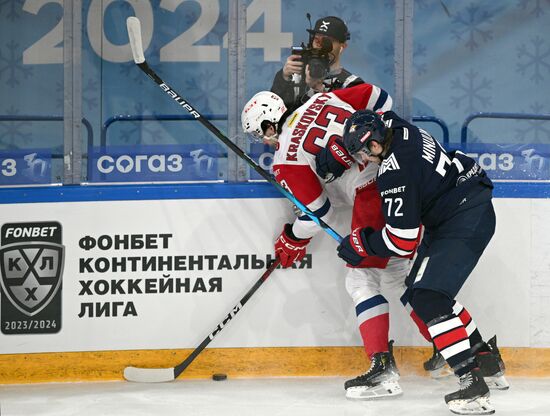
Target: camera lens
318	68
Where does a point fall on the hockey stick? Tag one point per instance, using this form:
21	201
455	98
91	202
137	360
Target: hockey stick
134	33
159	375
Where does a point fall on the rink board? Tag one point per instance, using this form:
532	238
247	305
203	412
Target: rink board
211	240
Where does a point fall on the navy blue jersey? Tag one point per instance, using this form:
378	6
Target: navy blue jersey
419	183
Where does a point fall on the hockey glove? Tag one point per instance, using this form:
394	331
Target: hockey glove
352	248
332	161
288	248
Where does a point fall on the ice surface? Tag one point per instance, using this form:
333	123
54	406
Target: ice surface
256	397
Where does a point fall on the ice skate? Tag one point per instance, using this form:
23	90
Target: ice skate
492	367
380	381
473	396
437	366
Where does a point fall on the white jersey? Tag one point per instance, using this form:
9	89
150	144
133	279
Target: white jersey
309	129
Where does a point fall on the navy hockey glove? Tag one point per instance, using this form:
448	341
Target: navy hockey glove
332	161
352	248
289	248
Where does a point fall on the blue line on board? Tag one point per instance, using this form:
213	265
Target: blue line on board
76	193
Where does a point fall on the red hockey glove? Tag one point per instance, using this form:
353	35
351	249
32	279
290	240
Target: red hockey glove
352	248
288	248
332	161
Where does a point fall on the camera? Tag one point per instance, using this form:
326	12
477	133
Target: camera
317	59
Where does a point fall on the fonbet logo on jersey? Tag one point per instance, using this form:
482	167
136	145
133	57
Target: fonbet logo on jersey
388	164
31	269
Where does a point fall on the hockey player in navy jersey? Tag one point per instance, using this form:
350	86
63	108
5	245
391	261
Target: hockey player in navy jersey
451	196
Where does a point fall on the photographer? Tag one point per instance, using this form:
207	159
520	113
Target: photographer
295	84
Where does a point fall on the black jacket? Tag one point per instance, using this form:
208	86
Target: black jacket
285	89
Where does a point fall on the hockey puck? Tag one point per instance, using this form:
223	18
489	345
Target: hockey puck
219	377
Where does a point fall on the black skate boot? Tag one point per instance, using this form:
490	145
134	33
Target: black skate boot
491	365
473	396
380	381
437	366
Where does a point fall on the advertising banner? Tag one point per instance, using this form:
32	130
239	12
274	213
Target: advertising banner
512	161
161	274
149	163
30	166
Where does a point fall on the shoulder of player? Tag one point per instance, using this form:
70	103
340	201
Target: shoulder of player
348	79
406	137
404	155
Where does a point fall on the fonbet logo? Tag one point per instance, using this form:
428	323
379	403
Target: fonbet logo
31	269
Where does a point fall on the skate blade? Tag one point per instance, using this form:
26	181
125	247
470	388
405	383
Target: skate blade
385	389
441	372
497	382
479	406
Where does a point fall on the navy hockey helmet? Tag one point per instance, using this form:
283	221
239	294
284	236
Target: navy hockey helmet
361	128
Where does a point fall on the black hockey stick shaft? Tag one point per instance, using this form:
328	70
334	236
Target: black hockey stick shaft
134	33
236	149
185	363
156	375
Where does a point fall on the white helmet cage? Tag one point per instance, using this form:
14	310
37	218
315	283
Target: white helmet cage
264	106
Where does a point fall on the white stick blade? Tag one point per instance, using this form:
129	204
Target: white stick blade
149	375
134	33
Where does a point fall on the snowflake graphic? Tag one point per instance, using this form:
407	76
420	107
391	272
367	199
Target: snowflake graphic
89	91
538	9
534	131
419	52
423	4
471	92
12	65
13	10
469	26
353	18
260	75
12	135
266	68
207	93
140	130
289	4
130	72
535	60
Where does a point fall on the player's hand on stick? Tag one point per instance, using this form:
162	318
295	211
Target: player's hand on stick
352	248
288	248
332	161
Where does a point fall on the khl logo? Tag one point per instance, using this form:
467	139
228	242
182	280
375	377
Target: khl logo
31	268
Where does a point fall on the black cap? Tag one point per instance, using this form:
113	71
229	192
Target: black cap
331	26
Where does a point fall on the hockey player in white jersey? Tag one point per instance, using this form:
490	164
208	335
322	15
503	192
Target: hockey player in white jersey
308	146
